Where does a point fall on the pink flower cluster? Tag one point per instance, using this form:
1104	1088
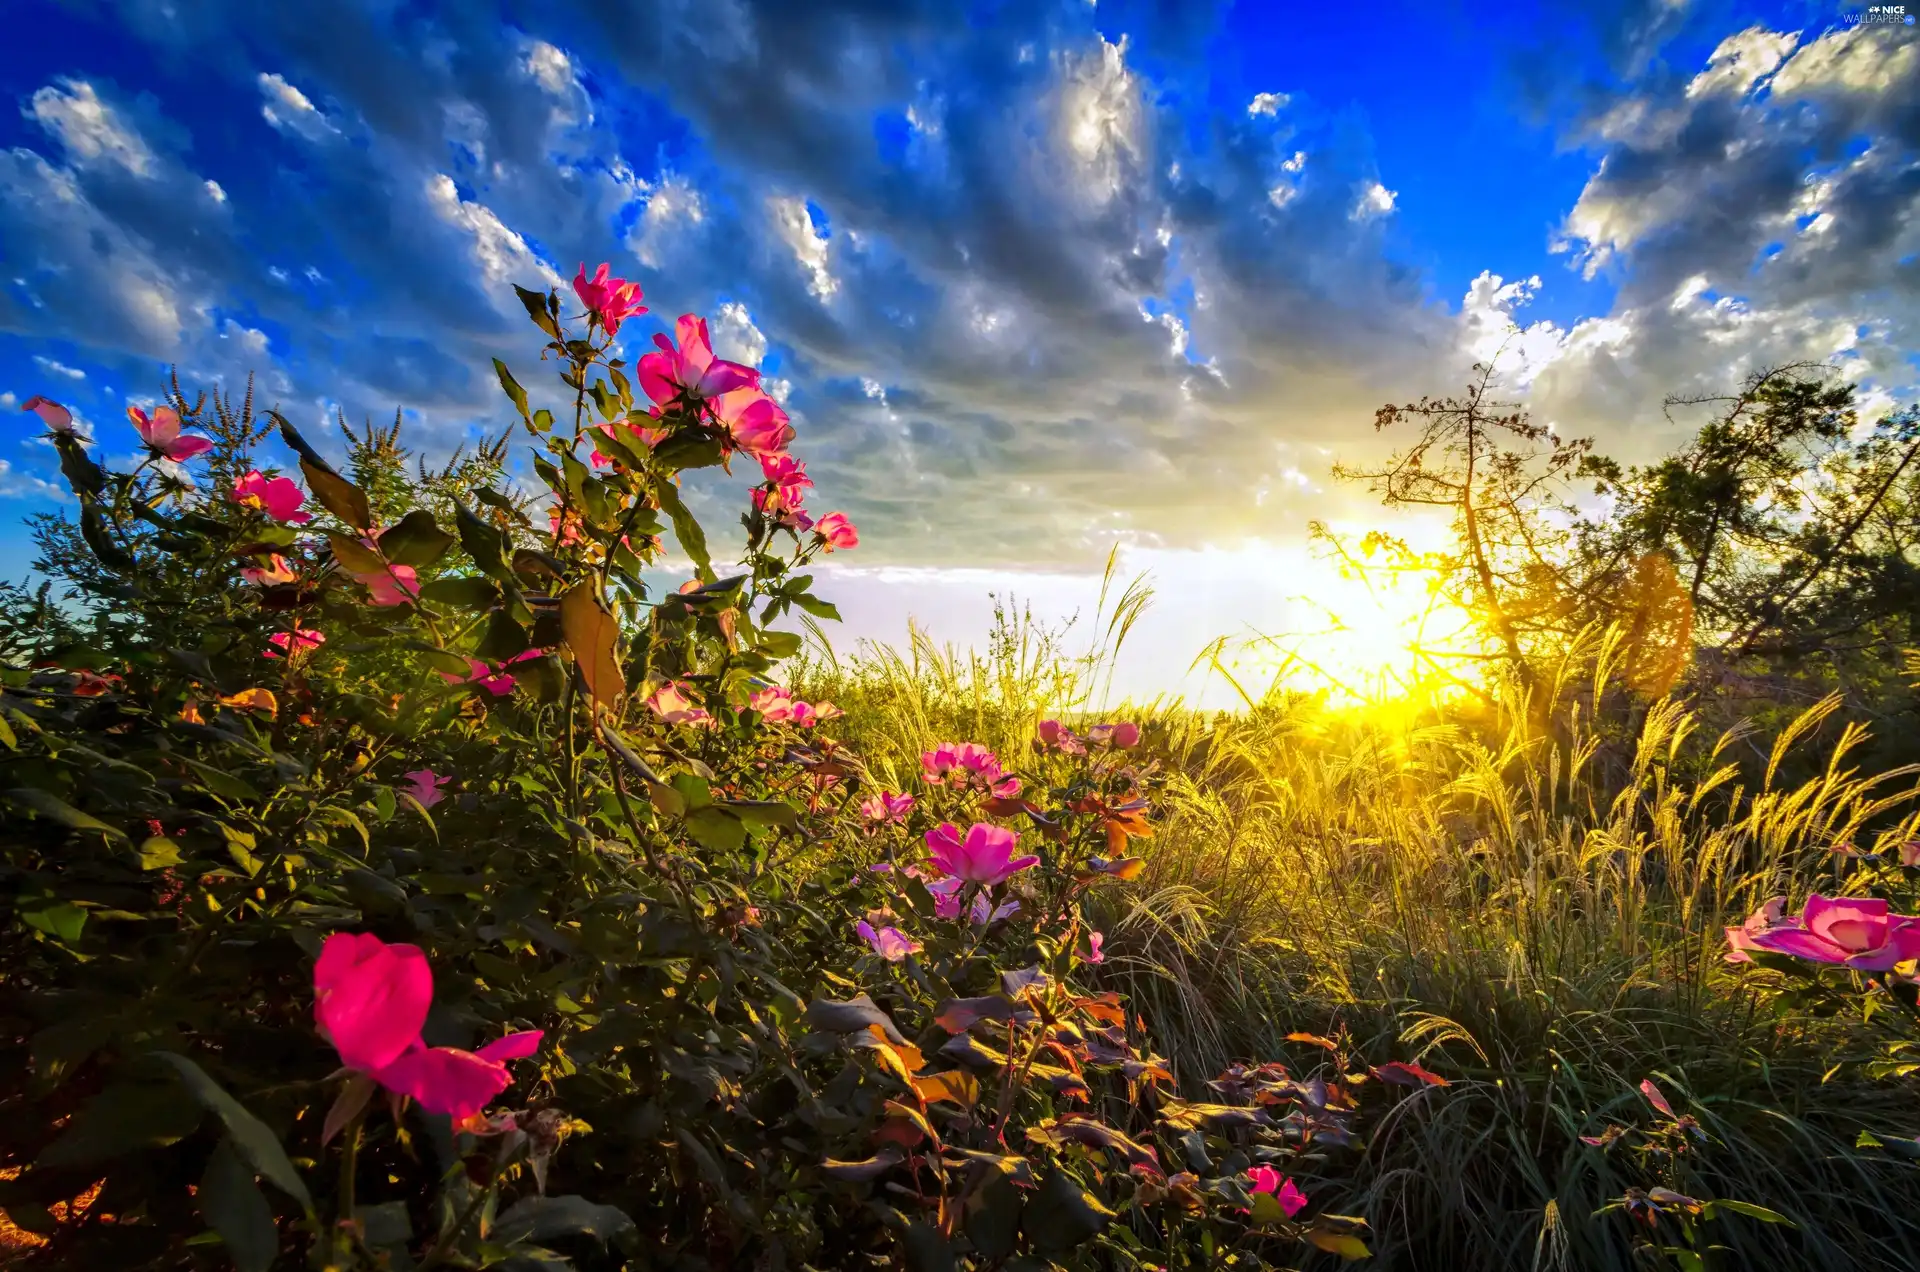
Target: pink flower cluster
777	705
1055	736
967	765
370	1001
1857	932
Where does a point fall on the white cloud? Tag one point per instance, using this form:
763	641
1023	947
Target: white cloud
1375	200
1101	118
1742	61
15	485
735	338
290	110
673	208
8	401
794	224
1267	103
252	340
90	129
1490	333
503	256
215	191
59	368
550	67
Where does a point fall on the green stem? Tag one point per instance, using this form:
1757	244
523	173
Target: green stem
343	1208
444	1246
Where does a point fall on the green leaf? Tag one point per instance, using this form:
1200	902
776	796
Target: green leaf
385	1226
593	634
510	386
543	677
544	1218
1063	1215
692	539
466	591
504	638
716	828
233	1205
1748	1209
816	607
687	450
416	540
158	853
779	644
124	1118
62	920
353	556
482	542
762	813
55	809
257	1145
535	303
992	1217
926	1249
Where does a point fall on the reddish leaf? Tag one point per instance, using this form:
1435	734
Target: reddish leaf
1402	1073
1655	1098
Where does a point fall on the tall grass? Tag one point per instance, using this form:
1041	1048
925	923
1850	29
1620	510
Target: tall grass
1528	898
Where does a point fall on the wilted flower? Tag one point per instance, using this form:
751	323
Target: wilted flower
301	640
984	856
1767	917
252	700
87	684
671	703
278	497
274	572
889	943
424	785
886	807
836	531
370	1000
1060	738
161	433
690	368
611	300
1122	736
51	413
946	903
1094	953
1858	932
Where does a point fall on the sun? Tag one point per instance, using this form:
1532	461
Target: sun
1361	635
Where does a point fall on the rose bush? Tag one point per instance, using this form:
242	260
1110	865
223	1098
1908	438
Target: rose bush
395	878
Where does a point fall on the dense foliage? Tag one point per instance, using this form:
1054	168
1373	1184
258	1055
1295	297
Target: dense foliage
394	881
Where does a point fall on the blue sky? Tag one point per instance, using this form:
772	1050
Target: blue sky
1036	279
